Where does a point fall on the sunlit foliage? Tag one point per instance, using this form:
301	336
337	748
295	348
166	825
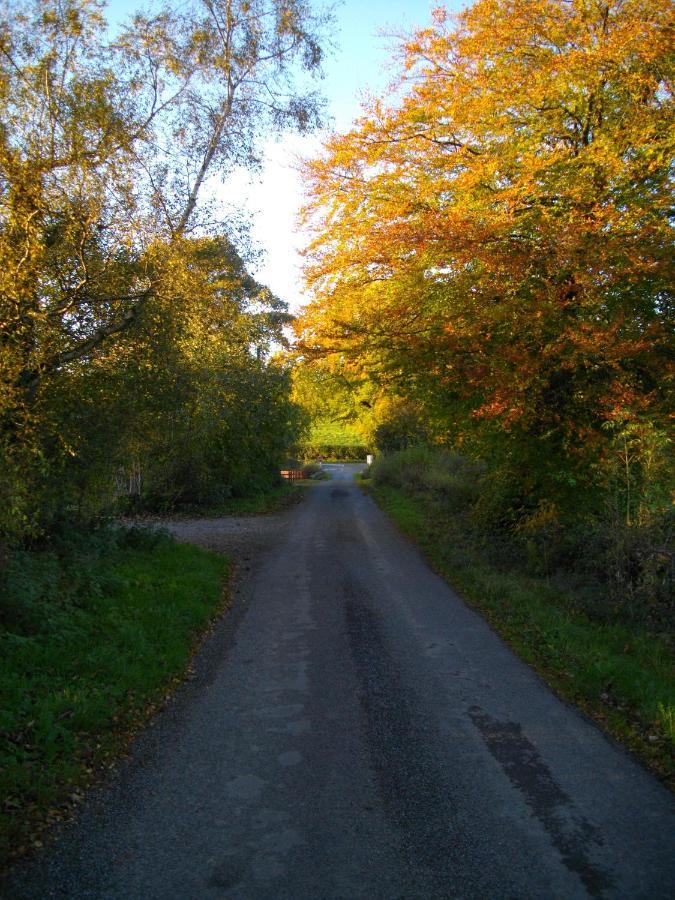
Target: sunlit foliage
126	316
493	242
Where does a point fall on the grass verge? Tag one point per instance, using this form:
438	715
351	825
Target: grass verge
271	501
620	675
79	680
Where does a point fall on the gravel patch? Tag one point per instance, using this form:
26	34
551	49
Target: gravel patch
236	536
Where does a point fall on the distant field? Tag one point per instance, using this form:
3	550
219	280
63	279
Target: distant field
334	433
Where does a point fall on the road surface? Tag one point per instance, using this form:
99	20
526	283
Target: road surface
354	731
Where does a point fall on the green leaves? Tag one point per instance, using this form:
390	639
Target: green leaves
119	328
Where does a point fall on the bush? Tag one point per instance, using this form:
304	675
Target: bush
340	452
451	478
617	570
402	431
637	564
406	469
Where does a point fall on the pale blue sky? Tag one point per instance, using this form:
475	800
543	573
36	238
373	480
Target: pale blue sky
361	58
361	62
364	34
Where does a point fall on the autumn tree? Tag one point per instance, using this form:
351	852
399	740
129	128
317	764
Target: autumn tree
106	145
495	240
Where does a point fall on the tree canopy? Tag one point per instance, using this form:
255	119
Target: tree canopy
112	257
495	241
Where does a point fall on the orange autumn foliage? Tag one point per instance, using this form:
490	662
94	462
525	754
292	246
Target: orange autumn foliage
494	237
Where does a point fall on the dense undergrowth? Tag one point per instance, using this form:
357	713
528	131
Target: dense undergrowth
588	602
272	500
93	631
310	451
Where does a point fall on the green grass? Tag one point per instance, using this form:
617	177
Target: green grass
259	504
270	501
76	683
336	433
620	674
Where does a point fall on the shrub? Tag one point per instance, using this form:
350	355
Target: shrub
405	469
343	453
617	569
451	478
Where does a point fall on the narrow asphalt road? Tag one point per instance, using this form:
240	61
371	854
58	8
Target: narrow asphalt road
353	730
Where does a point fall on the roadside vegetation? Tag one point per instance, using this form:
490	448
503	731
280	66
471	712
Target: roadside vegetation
139	364
93	633
577	602
271	500
492	272
139	368
333	452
